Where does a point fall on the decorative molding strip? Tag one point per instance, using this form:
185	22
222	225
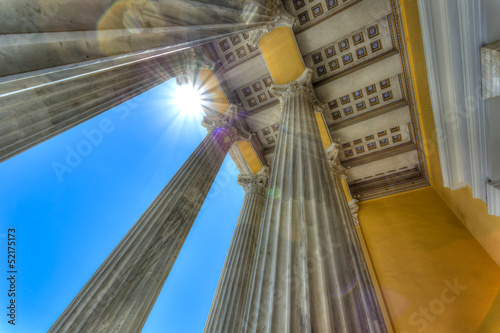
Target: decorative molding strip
490	67
407	78
356	67
373	189
460	114
494	198
398	104
353	205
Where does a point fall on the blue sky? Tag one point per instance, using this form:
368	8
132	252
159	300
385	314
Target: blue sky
69	213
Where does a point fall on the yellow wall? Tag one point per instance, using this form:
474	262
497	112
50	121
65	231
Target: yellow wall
472	212
491	322
421	239
323	130
417	244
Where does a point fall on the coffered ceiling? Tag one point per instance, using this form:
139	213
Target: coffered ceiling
358	53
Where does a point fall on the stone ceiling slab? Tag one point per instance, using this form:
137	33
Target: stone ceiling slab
342	24
390	119
246	72
358	48
369	105
361	78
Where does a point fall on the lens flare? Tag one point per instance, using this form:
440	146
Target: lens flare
188	100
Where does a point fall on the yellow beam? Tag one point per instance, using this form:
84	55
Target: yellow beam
347	193
209	82
283	58
282	55
250	156
323	130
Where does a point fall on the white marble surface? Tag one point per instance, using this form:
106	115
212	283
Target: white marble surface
226	312
120	295
303	279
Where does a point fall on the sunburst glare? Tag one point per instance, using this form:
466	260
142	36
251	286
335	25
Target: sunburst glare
188	100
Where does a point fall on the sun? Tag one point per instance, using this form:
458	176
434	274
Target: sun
189	99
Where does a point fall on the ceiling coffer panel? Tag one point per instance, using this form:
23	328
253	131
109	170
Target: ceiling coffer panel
356	50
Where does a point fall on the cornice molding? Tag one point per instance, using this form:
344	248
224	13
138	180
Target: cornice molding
494	198
453	61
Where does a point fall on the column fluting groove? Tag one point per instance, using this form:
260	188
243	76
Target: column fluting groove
303	278
368	300
122	292
226	312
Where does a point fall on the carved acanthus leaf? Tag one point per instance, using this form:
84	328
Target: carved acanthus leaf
303	85
256	183
231	121
353	205
194	59
332	157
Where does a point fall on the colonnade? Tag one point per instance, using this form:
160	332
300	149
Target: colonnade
120	295
294	264
66	61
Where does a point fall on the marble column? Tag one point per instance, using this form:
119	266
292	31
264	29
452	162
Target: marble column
60	32
347	212
226	312
303	279
33	110
66	61
194	60
121	294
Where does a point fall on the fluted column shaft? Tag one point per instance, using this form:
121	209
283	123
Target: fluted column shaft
121	294
226	312
303	280
371	308
66	61
61	32
29	116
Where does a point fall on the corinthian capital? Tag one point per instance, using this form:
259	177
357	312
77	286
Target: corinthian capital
301	86
281	18
230	122
353	205
255	184
194	59
332	157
